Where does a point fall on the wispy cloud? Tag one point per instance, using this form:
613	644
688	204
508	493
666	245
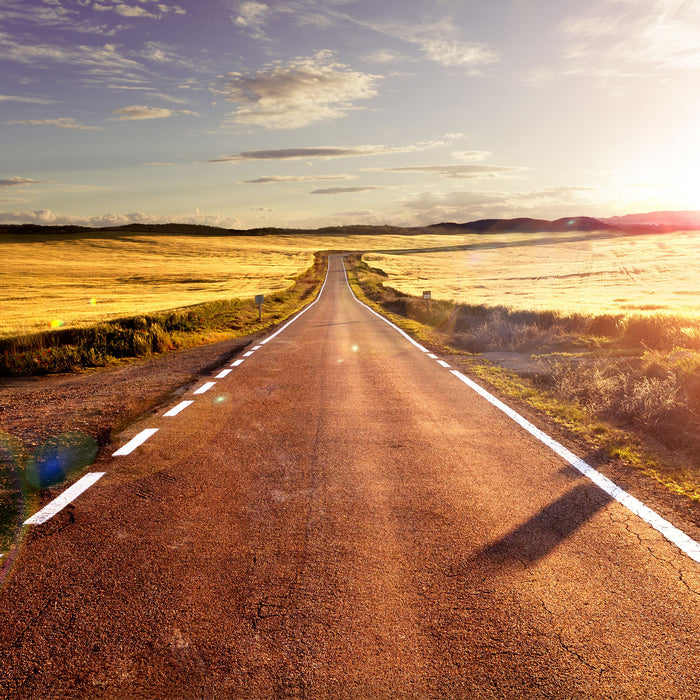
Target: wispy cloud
298	93
277	179
621	39
19	181
138	112
31	100
459	172
346	190
61	123
324	152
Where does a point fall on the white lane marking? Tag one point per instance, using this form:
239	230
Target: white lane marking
60	502
386	320
684	542
205	387
237	363
135	442
670	532
303	311
432	357
257	347
249	353
223	373
442	363
176	409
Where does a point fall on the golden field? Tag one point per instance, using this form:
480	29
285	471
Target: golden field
78	279
586	273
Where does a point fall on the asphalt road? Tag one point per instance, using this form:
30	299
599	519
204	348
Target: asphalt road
341	517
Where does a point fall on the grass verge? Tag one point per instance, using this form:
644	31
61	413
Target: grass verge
627	387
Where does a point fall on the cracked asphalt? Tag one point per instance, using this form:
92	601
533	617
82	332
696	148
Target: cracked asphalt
340	517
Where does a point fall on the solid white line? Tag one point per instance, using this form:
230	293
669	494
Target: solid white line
223	373
176	409
60	502
249	353
135	442
205	387
386	320
237	363
442	363
685	543
671	533
303	311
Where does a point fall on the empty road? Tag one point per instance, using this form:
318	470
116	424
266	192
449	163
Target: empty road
339	516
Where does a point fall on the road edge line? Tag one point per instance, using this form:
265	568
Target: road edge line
674	535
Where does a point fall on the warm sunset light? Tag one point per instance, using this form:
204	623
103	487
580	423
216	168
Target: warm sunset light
244	113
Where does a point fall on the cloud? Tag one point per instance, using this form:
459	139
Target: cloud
32	100
46	217
276	179
296	94
460	206
19	181
324	152
253	16
459	172
138	112
61	123
618	39
345	190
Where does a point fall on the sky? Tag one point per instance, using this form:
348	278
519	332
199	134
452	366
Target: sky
311	113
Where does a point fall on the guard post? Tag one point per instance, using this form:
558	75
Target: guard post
426	296
259	301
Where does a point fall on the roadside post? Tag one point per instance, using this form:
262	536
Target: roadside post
259	301
426	296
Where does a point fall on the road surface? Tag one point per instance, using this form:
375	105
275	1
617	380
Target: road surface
341	517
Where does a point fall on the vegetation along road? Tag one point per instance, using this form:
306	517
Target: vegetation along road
336	513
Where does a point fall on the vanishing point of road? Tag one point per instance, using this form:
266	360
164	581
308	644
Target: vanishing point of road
339	516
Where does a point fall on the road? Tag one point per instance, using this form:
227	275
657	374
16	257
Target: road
341	517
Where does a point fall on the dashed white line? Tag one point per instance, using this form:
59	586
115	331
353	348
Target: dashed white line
60	502
176	409
442	363
135	442
249	353
224	373
257	347
432	357
237	363
205	387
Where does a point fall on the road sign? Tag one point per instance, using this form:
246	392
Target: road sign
259	298
426	295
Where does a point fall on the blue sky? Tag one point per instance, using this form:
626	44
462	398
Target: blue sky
321	112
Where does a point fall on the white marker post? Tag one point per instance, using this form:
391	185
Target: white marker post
259	301
426	296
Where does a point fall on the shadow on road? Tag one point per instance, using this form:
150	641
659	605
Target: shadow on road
541	534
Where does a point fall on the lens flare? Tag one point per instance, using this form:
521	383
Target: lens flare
57	323
92	302
58	457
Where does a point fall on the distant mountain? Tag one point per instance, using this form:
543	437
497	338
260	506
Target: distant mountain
664	220
525	225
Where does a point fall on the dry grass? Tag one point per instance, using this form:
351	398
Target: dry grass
589	274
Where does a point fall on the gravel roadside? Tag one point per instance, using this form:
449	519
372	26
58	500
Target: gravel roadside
101	402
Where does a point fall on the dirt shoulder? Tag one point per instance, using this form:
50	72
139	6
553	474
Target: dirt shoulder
101	402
